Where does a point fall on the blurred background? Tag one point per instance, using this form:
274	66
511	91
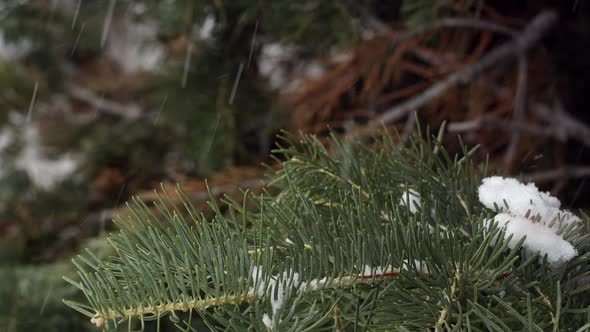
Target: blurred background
104	99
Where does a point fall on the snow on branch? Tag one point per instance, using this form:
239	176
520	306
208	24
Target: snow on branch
523	200
412	198
539	238
526	211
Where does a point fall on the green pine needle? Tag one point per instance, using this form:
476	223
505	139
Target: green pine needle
337	248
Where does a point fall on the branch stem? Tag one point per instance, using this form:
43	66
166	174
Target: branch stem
100	319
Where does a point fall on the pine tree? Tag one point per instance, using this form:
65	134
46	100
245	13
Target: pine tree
355	235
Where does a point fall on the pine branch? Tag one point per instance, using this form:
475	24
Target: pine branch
356	236
99	319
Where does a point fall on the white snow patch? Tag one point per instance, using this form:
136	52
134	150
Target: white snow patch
413	197
14	50
6	137
525	211
522	198
133	46
257	282
420	266
377	270
206	30
314	284
538	238
276	286
45	173
272	58
267	321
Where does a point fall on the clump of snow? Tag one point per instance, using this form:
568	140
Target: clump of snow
526	211
272	58
314	284
276	286
522	198
257	281
377	270
420	266
45	173
538	238
267	321
413	197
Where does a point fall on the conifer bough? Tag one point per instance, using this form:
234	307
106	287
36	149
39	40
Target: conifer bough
350	237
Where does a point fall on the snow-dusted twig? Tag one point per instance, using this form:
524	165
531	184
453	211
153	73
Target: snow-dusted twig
259	290
525	212
514	48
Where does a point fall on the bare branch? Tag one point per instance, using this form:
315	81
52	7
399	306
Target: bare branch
104	105
566	172
565	125
561	126
375	24
503	124
520	106
469	23
517	46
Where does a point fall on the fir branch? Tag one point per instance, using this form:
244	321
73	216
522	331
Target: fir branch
99	319
340	245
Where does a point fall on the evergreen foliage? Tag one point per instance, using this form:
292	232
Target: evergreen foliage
32	294
187	105
333	245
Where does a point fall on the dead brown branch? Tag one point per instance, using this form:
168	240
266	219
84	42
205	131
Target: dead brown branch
514	48
470	23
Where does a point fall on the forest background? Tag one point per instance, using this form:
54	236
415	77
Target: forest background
102	100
